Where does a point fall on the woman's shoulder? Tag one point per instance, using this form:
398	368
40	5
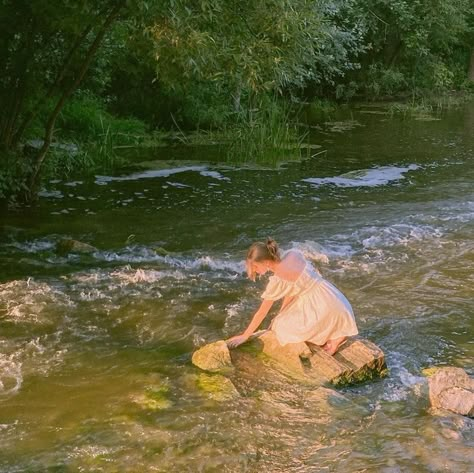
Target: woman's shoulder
293	253
293	259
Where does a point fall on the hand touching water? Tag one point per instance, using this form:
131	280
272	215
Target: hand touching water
234	342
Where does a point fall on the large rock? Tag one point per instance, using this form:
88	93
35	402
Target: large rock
290	357
452	389
67	245
213	357
356	361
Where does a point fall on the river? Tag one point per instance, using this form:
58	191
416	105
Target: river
386	212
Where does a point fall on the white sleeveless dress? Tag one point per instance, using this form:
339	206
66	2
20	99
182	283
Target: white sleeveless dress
319	312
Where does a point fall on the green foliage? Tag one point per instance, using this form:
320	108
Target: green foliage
13	172
382	81
85	117
212	64
415	46
265	136
271	45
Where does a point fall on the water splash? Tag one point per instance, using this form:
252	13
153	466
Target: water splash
365	178
27	301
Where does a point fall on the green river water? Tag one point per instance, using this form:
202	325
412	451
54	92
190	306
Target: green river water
95	372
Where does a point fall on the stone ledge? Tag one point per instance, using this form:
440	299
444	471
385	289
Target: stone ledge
358	360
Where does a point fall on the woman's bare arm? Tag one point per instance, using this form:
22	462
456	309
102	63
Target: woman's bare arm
253	325
287	300
258	317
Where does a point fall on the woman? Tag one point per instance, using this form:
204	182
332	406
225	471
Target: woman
313	310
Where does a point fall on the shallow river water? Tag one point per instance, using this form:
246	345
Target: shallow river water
95	371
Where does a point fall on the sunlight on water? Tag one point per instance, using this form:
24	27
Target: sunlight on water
95	371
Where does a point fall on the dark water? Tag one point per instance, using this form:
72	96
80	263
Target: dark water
95	370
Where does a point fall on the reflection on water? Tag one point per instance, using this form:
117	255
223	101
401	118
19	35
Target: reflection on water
95	370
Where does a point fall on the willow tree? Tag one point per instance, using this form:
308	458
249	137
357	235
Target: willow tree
48	48
269	45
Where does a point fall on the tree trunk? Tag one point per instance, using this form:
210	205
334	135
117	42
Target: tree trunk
35	110
49	129
471	67
16	88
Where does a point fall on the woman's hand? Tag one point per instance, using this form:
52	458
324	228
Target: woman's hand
234	342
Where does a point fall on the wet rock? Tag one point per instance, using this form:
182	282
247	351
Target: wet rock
66	246
289	357
213	357
217	387
452	389
156	397
358	360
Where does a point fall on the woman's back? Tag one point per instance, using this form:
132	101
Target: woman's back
291	266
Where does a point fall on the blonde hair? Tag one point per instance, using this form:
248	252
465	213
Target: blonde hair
261	251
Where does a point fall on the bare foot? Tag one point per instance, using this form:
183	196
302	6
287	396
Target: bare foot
331	346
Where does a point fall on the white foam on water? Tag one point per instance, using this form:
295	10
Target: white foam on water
93	451
398	234
366	177
55	194
130	254
208	262
128	275
402	383
11	376
235	313
34	246
27	301
18	360
312	251
135	254
154	173
215	175
177	184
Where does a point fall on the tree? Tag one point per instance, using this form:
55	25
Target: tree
49	48
270	45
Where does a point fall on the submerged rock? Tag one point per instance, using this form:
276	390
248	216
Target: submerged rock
217	387
213	357
155	397
452	389
67	245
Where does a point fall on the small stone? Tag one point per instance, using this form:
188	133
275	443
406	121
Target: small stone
213	357
66	246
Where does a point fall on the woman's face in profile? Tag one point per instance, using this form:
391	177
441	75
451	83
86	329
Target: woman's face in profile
260	267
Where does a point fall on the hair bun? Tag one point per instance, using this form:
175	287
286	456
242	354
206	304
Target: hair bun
272	246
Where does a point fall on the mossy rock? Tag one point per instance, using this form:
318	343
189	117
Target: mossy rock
217	387
213	357
155	397
67	245
431	371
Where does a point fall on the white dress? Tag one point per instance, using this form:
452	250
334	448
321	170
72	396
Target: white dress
319	312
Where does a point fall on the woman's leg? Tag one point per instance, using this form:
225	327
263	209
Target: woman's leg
331	346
